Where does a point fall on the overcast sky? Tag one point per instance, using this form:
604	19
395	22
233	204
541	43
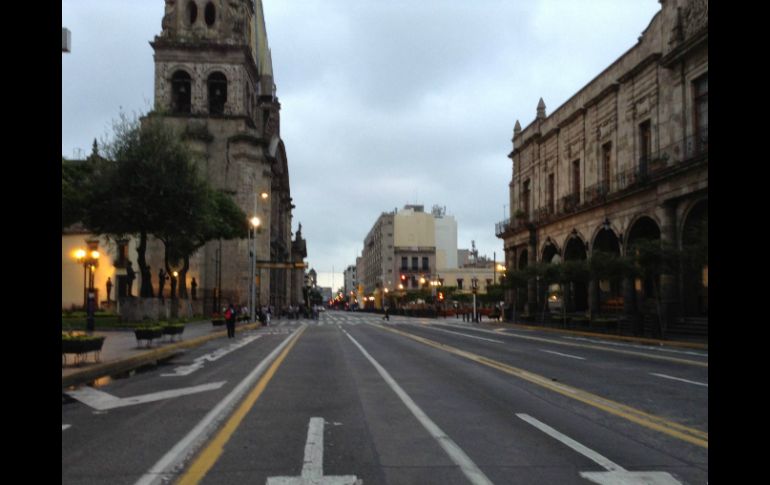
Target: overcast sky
383	102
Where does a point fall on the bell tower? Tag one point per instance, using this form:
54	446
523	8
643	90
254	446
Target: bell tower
214	83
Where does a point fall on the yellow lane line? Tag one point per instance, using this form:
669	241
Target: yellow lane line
690	435
208	457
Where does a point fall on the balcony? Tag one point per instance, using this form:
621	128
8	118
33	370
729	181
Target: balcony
596	193
569	203
510	226
692	150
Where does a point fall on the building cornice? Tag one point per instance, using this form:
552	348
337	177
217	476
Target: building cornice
680	51
639	67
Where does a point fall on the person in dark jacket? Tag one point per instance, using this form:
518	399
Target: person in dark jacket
230	315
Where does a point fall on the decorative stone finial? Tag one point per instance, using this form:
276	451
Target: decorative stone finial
517	128
541	109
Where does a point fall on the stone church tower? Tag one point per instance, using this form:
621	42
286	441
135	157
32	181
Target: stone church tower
214	83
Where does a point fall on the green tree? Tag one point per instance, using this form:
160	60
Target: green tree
149	185
654	259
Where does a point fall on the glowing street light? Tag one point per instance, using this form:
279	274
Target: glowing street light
255	223
90	260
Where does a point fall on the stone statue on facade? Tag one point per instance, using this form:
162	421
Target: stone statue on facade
169	19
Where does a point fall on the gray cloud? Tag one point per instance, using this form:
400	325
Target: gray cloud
383	103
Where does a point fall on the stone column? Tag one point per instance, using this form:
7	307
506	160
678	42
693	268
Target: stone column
668	284
532	289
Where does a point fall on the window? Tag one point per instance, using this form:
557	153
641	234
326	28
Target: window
122	254
525	198
210	14
551	194
701	115
606	155
425	264
459	283
217	84
576	178
414	263
645	146
404	263
192	12
180	92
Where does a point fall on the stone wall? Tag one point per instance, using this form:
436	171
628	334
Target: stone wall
139	309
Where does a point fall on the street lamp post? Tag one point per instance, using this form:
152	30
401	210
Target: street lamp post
475	287
255	222
90	260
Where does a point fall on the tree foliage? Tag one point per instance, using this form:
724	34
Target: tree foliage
149	184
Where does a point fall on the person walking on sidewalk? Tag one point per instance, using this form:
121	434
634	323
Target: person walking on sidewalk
230	321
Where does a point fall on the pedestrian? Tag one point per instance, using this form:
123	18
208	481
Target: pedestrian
386	316
109	288
194	289
161	283
230	320
262	318
130	275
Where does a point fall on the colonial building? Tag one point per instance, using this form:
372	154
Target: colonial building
214	83
625	158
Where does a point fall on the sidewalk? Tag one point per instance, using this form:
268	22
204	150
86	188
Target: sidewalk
121	351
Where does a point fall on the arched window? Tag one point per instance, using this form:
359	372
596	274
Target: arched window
181	86
217	83
192	12
210	14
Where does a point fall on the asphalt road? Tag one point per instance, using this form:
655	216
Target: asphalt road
354	399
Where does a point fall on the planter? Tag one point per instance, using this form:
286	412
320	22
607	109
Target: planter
173	329
148	334
81	345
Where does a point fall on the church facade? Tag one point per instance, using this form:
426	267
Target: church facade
214	84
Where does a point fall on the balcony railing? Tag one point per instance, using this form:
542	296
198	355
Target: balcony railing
690	149
569	203
597	192
510	225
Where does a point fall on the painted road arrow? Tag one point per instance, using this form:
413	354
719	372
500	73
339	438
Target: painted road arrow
102	401
615	474
312	467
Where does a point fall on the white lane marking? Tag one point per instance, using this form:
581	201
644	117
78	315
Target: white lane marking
312	466
65	426
640	347
186	447
615	474
456	454
466	335
587	452
679	379
211	357
101	401
563	355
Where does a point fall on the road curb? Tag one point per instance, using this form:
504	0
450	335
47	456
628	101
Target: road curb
150	357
